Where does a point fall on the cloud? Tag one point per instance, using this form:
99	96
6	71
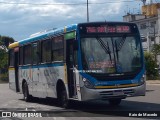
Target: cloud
21	20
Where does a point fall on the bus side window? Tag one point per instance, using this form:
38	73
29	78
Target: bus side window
35	53
46	50
27	54
21	56
57	47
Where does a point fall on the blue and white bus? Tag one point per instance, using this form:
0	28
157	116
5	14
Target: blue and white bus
83	62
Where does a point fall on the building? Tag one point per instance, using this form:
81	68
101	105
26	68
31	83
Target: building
149	25
149	28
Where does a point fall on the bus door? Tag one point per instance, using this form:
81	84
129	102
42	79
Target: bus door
71	60
16	64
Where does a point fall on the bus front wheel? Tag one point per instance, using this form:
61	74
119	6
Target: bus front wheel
114	102
26	95
63	100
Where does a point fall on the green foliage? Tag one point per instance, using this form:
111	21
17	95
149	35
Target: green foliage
4	43
156	51
4	77
3	60
150	63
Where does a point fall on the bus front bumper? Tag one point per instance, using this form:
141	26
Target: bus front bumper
105	94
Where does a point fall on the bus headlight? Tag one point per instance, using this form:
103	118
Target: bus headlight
87	83
143	79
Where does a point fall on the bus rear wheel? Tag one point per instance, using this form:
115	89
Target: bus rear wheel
114	102
26	95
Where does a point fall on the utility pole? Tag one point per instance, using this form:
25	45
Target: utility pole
154	38
87	12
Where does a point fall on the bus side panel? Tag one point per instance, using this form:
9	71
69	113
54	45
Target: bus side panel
12	82
20	80
25	73
49	76
42	79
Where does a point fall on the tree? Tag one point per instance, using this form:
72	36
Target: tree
151	64
4	43
156	51
3	61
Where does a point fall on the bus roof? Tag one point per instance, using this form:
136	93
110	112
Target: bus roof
44	35
55	32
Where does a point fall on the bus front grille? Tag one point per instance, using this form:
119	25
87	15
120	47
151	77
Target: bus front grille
116	93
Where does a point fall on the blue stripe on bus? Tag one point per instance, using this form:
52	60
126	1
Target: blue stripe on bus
79	51
106	82
136	80
28	40
42	66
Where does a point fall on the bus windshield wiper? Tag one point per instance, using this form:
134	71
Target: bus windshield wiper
116	51
105	47
119	46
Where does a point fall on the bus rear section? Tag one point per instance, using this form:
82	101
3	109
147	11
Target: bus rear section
13	67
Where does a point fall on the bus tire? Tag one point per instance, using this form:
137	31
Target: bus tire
114	102
64	102
26	95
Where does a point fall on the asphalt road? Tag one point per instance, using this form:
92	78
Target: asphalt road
11	101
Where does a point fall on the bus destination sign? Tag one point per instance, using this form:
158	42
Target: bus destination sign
108	29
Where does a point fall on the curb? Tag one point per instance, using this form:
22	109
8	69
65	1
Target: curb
152	81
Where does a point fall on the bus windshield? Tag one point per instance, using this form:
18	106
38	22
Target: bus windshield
111	55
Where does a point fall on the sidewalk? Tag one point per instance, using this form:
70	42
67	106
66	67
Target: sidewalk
153	82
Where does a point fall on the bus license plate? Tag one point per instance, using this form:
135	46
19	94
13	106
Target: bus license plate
118	93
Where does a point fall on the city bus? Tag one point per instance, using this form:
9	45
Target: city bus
82	62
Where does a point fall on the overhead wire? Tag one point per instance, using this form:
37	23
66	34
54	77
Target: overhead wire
91	3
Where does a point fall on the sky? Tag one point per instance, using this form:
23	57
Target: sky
21	18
